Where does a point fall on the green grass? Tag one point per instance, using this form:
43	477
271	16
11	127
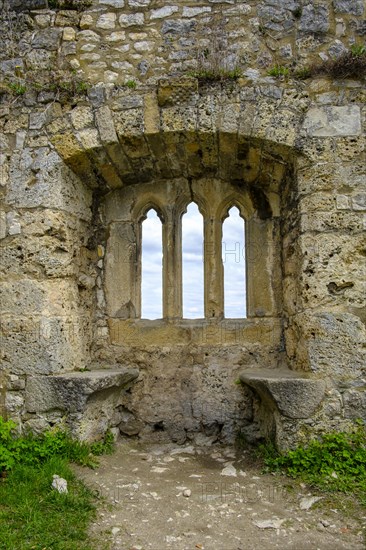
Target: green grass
17	88
132	84
336	462
32	514
33	450
35	516
278	71
213	75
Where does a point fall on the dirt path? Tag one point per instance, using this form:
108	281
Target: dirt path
161	497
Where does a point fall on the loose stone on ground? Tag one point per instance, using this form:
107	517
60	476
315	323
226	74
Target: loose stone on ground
162	496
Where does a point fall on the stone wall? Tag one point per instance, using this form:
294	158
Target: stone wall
101	104
119	41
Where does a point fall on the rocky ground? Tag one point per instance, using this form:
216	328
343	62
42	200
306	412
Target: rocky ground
165	496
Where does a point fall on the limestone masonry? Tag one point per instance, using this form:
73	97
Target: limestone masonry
109	108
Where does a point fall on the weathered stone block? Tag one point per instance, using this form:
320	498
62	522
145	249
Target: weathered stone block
113	3
355	7
314	19
166	11
2	225
51	185
178	26
354	401
133	20
333	121
71	391
294	393
106	21
176	91
91	400
48	39
104	121
138	3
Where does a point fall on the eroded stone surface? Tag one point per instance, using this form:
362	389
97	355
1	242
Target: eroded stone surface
333	121
295	394
91	400
78	170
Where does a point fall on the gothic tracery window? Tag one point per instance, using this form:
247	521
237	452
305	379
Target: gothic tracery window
194	261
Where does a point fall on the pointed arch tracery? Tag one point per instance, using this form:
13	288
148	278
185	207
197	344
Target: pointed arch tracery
213	202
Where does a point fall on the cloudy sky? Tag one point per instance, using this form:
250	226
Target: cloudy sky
192	244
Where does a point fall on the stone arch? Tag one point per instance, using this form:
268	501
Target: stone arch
243	204
164	166
142	207
182	205
240	257
156	151
194	285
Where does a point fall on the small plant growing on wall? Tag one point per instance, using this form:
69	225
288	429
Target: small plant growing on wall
131	84
302	73
211	63
279	71
351	64
17	88
63	84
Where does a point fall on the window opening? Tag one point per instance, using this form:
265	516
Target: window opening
192	263
151	267
233	258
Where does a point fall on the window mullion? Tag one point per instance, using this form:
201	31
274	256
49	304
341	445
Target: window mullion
214	284
172	268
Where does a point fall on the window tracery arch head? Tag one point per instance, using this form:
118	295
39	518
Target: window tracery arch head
142	208
241	201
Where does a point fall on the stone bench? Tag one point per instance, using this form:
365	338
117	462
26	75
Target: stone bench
285	398
88	400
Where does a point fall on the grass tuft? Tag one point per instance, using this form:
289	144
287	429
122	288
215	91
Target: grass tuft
336	462
279	71
34	450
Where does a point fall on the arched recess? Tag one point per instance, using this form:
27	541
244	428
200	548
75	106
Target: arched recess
192	262
165	157
168	187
